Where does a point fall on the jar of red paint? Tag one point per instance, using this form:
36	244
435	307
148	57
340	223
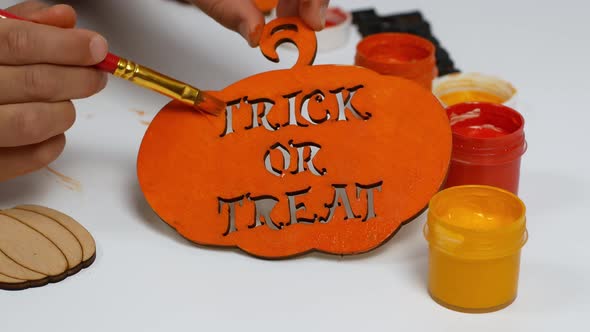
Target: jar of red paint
399	54
488	143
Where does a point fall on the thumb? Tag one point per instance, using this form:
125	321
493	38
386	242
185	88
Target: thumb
61	16
241	16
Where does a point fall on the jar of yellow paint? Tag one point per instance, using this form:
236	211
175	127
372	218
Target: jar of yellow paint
475	235
458	88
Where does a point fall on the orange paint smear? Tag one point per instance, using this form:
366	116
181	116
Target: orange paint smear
69	182
138	112
143	122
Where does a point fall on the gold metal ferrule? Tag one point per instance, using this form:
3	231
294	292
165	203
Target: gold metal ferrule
155	81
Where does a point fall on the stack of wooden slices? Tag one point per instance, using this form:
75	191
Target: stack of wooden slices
39	245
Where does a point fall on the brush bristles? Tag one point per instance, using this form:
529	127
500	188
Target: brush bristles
209	104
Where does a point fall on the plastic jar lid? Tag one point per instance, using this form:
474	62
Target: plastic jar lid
476	222
485	133
337	30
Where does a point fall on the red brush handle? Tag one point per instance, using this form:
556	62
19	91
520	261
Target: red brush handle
109	64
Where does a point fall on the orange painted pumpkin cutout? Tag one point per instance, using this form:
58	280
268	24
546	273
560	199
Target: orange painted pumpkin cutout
329	158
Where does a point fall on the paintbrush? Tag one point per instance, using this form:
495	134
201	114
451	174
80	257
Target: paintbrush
151	79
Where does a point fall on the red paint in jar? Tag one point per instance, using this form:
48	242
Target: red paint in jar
488	143
399	54
334	16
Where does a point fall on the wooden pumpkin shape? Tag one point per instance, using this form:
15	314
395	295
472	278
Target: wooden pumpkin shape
329	158
39	245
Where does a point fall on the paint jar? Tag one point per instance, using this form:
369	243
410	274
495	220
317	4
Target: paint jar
460	88
488	143
337	30
475	235
399	54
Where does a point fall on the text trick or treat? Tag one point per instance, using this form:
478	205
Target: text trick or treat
330	158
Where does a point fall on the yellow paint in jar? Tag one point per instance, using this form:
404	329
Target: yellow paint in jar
460	88
475	235
459	97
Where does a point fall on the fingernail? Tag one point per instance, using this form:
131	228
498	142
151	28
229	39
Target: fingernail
103	81
244	31
98	48
323	10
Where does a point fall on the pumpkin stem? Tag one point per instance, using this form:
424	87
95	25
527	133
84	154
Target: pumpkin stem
289	30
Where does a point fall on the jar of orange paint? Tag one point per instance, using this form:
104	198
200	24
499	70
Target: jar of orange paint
399	54
488	143
475	236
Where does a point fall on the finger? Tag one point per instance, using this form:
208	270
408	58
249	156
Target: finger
20	160
48	83
24	9
29	43
288	8
313	12
62	16
32	123
238	15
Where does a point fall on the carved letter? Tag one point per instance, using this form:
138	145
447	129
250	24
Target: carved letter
294	207
231	211
229	123
292	110
370	197
313	150
286	160
263	208
339	195
344	104
267	105
305	107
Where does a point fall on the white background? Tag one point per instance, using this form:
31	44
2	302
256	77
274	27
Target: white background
147	278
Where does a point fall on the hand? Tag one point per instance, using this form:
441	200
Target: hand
43	66
243	17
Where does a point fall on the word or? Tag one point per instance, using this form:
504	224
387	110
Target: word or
303	163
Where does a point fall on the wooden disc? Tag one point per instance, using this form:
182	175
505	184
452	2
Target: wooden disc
10	283
8	280
29	248
86	240
10	268
54	231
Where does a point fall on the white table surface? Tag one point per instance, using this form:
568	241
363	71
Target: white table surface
147	278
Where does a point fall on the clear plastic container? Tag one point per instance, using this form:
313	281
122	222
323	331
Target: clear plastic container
475	236
488	143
